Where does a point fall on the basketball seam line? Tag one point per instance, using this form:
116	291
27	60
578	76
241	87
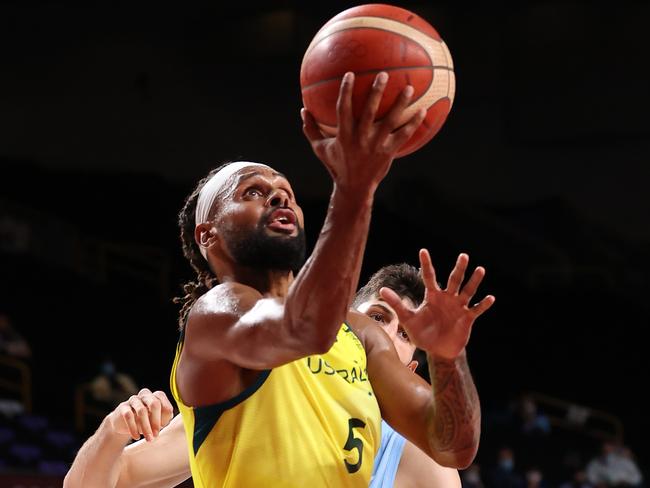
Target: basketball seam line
369	71
385	18
312	46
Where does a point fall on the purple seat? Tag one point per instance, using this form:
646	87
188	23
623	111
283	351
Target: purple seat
25	453
60	439
32	423
53	468
7	434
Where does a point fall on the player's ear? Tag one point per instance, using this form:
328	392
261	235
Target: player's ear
205	234
413	365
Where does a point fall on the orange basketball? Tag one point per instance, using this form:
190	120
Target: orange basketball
366	40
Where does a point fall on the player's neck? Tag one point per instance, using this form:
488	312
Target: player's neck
268	283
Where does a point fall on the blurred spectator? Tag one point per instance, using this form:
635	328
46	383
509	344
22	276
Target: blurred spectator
577	415
615	466
11	342
533	422
532	430
574	460
579	481
111	386
504	475
471	477
535	478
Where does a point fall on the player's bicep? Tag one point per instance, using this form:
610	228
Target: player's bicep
161	463
261	339
240	326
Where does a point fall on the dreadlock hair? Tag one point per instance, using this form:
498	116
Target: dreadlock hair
205	277
403	279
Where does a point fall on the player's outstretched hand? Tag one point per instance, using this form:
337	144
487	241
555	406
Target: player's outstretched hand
361	154
142	414
442	324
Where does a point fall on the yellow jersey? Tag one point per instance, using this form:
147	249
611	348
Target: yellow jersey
313	422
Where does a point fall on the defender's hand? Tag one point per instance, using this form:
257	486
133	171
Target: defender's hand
142	414
442	324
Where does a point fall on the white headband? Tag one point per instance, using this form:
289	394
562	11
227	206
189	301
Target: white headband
212	188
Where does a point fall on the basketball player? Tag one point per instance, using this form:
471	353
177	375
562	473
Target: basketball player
399	463
164	463
264	357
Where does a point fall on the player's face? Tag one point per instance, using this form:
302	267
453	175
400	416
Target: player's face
385	316
260	220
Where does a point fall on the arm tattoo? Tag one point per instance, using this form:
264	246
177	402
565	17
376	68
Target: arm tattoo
457	413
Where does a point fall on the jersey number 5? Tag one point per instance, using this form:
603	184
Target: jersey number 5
354	443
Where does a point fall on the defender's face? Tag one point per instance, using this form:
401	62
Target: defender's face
386	318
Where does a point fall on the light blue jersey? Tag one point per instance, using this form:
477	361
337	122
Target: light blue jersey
387	458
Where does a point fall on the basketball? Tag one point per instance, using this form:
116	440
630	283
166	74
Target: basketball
366	40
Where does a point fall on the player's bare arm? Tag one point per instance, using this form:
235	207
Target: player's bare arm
417	470
163	463
159	460
244	325
441	326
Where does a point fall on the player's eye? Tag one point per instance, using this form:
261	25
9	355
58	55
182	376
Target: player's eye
378	317
403	335
253	191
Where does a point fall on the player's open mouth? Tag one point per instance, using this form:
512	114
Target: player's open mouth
282	220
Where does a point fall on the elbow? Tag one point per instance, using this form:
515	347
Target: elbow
319	342
457	455
323	343
465	458
459	447
461	459
314	341
313	335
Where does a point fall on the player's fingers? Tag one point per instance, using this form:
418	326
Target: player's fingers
428	271
457	274
404	133
128	416
483	305
473	283
141	417
345	120
154	407
393	299
372	103
167	410
310	127
392	119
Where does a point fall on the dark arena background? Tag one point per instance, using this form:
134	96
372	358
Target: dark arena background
111	111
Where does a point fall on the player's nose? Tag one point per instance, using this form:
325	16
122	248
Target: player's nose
391	330
278	198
